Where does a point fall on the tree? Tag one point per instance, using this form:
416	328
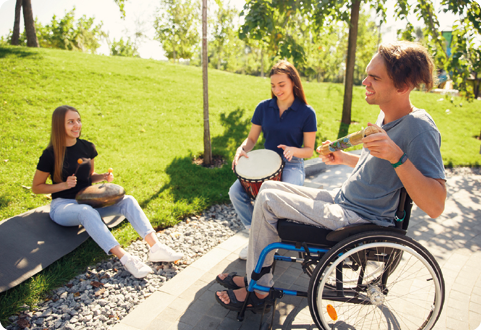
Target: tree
28	21
351	59
123	48
207	143
16	24
121	4
274	23
272	20
325	54
176	28
465	59
66	33
223	34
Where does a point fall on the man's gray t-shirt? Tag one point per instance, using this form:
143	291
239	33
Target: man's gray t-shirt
372	190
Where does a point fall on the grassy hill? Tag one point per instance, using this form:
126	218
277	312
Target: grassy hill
146	119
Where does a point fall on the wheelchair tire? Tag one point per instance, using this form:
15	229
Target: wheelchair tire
407	292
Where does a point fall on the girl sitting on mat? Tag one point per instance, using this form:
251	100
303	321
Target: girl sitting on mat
59	161
289	127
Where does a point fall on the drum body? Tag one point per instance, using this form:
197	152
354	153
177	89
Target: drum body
262	165
101	195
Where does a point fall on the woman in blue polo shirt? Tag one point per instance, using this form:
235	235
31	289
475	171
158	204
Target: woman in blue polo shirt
289	126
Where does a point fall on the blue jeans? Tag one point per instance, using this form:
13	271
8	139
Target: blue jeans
67	212
293	172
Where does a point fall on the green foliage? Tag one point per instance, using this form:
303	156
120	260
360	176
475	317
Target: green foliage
367	43
176	27
225	44
121	4
145	118
278	24
124	48
66	33
465	56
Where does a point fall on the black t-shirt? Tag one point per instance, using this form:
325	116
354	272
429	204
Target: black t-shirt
82	149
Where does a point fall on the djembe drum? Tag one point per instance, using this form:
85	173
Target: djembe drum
101	195
262	165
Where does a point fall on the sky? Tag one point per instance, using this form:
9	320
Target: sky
139	15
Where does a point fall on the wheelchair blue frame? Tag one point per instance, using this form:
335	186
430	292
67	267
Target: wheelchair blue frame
290	247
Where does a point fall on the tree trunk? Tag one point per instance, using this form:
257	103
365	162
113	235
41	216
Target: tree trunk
207	144
32	40
351	58
262	62
16	24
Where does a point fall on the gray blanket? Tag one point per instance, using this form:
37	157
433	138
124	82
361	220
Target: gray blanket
31	241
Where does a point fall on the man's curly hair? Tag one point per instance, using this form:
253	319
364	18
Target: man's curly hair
408	63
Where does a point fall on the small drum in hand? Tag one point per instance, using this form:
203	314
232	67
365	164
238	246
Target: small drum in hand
101	195
262	165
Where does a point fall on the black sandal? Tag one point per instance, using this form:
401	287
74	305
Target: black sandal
229	283
256	303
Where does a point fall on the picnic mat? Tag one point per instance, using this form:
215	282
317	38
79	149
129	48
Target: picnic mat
31	241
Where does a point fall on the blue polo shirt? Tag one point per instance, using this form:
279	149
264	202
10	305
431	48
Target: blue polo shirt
287	129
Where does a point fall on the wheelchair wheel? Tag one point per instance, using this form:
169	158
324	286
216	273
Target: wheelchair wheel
376	280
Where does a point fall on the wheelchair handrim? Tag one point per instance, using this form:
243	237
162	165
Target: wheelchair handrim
330	268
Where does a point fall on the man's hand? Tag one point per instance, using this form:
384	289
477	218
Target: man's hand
381	146
334	158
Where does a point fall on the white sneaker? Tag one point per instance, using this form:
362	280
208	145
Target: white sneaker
243	253
136	267
163	253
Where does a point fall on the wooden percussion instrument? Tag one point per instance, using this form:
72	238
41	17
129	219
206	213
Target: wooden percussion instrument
262	165
347	141
101	195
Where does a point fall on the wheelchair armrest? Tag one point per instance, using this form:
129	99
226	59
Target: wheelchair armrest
342	233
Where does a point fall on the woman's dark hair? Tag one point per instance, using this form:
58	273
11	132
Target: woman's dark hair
289	69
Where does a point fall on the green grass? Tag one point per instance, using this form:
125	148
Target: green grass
146	119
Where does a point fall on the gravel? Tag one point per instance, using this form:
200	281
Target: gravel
106	293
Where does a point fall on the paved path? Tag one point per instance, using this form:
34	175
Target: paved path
187	301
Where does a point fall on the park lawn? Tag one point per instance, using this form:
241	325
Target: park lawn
146	119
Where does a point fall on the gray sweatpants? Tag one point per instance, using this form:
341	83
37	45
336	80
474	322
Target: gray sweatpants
280	200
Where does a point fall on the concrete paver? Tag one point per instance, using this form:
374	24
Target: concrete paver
187	301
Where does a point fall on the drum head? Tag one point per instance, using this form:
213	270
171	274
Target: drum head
260	164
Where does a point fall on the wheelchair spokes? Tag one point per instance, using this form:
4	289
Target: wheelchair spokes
376	284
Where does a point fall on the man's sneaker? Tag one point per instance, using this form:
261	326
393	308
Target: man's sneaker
163	253
243	253
136	267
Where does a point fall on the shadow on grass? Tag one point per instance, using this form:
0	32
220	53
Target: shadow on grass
193	184
16	51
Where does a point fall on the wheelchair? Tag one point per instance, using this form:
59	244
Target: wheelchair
361	276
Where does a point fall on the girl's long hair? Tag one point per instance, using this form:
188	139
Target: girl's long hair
289	69
58	137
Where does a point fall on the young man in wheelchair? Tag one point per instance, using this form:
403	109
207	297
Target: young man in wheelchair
405	154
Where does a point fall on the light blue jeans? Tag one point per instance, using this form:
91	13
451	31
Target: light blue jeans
67	212
293	172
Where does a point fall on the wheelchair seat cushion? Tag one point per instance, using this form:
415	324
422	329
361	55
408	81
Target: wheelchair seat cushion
294	232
